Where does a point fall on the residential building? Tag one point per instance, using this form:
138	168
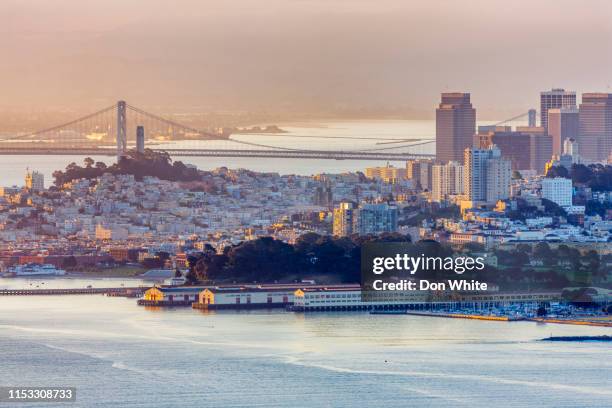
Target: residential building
344	219
447	180
487	175
419	171
365	219
558	190
388	174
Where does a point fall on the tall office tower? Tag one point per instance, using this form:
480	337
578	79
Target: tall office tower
487	174
595	126
532	117
34	181
563	123
344	219
140	139
540	147
447	180
455	126
375	219
555	98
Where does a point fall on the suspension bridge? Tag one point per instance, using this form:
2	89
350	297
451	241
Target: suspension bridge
112	131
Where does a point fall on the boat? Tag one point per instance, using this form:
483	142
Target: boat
33	269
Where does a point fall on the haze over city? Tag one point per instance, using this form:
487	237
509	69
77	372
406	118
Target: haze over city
300	56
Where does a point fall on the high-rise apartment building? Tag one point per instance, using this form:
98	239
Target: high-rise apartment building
447	180
558	190
343	219
419	171
487	175
455	126
555	98
364	219
375	219
563	123
595	126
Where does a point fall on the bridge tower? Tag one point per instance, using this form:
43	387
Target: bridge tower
121	129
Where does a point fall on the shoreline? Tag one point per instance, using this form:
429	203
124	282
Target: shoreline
509	319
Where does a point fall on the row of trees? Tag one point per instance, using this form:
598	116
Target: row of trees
140	165
266	260
328	259
596	176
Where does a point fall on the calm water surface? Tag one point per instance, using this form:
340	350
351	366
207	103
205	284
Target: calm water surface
119	354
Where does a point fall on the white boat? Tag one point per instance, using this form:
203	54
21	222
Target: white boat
33	270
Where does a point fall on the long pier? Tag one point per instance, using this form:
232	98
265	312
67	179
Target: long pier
73	291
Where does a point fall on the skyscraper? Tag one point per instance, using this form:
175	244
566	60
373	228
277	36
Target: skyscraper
455	126
595	138
487	175
555	98
563	123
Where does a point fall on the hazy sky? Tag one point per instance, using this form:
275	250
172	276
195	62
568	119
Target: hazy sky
300	54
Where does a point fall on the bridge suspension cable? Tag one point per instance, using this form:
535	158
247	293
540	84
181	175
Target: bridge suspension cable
63	125
517	117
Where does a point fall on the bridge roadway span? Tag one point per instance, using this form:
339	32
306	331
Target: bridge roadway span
286	154
72	291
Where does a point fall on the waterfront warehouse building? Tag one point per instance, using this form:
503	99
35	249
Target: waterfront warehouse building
170	296
349	299
244	298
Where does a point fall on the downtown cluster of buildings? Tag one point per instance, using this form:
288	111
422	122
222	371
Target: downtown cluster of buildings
490	171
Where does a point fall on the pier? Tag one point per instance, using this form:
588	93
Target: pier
127	292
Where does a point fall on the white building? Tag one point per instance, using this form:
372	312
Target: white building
447	180
558	190
487	175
